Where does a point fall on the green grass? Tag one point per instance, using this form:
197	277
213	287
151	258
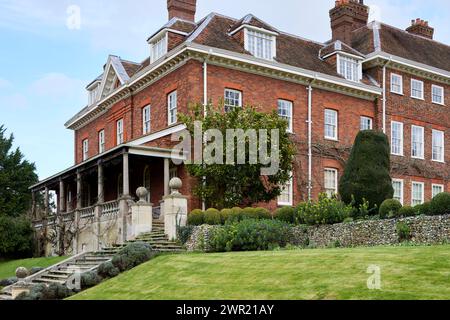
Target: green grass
406	273
8	268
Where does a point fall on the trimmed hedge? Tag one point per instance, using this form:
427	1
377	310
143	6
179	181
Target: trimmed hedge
407	211
324	211
196	218
285	214
390	208
440	204
133	255
212	217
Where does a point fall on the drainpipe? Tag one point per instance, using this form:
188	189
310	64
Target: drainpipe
384	94
309	121
205	103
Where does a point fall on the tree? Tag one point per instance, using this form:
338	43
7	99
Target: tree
16	237
16	176
228	185
367	172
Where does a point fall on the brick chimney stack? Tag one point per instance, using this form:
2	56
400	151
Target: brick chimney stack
347	16
183	9
421	28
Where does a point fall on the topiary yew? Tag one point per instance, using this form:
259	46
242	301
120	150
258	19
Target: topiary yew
366	174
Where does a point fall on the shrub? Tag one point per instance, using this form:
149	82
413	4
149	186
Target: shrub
390	208
263	213
225	215
184	233
132	255
366	174
249	213
250	234
212	217
107	270
196	218
440	204
285	214
236	214
325	211
90	279
423	209
8	282
407	211
54	291
403	231
16	237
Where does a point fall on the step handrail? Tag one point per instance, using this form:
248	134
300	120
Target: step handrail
30	278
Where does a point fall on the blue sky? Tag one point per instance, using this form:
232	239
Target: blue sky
45	65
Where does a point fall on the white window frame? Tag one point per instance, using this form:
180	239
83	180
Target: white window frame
159	46
290	185
172	108
101	141
435	185
335	125
289	105
401	138
230	106
336	173
442	133
119	132
421	97
433	87
400	77
422	200
268	49
402	185
421	155
146	119
365	118
85	149
349	67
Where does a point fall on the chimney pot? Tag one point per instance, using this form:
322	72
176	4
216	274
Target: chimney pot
347	16
421	27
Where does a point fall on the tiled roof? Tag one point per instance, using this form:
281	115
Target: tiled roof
402	44
339	46
252	21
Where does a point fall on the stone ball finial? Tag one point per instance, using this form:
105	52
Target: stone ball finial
21	273
142	193
175	185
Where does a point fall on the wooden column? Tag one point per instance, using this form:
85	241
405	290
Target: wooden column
166	176
126	175
100	184
79	191
62	196
46	202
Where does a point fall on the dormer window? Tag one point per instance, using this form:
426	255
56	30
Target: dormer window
349	68
93	94
260	43
158	46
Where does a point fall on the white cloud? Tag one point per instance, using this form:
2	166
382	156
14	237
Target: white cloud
57	85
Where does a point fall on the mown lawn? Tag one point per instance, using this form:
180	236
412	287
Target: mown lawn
406	273
8	268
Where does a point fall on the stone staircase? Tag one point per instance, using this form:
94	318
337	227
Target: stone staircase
60	273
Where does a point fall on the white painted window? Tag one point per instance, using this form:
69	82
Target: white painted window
287	194
93	94
331	182
437	94
396	83
397	184
285	112
172	106
417	193
159	47
331	124
101	141
261	45
146	118
233	99
438	146
349	68
119	131
366	123
417	142
397	138
85	149
417	89
437	189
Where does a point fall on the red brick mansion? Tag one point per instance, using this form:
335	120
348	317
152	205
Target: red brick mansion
368	76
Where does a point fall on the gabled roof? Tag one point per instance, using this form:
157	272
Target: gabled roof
253	21
339	46
177	24
381	37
